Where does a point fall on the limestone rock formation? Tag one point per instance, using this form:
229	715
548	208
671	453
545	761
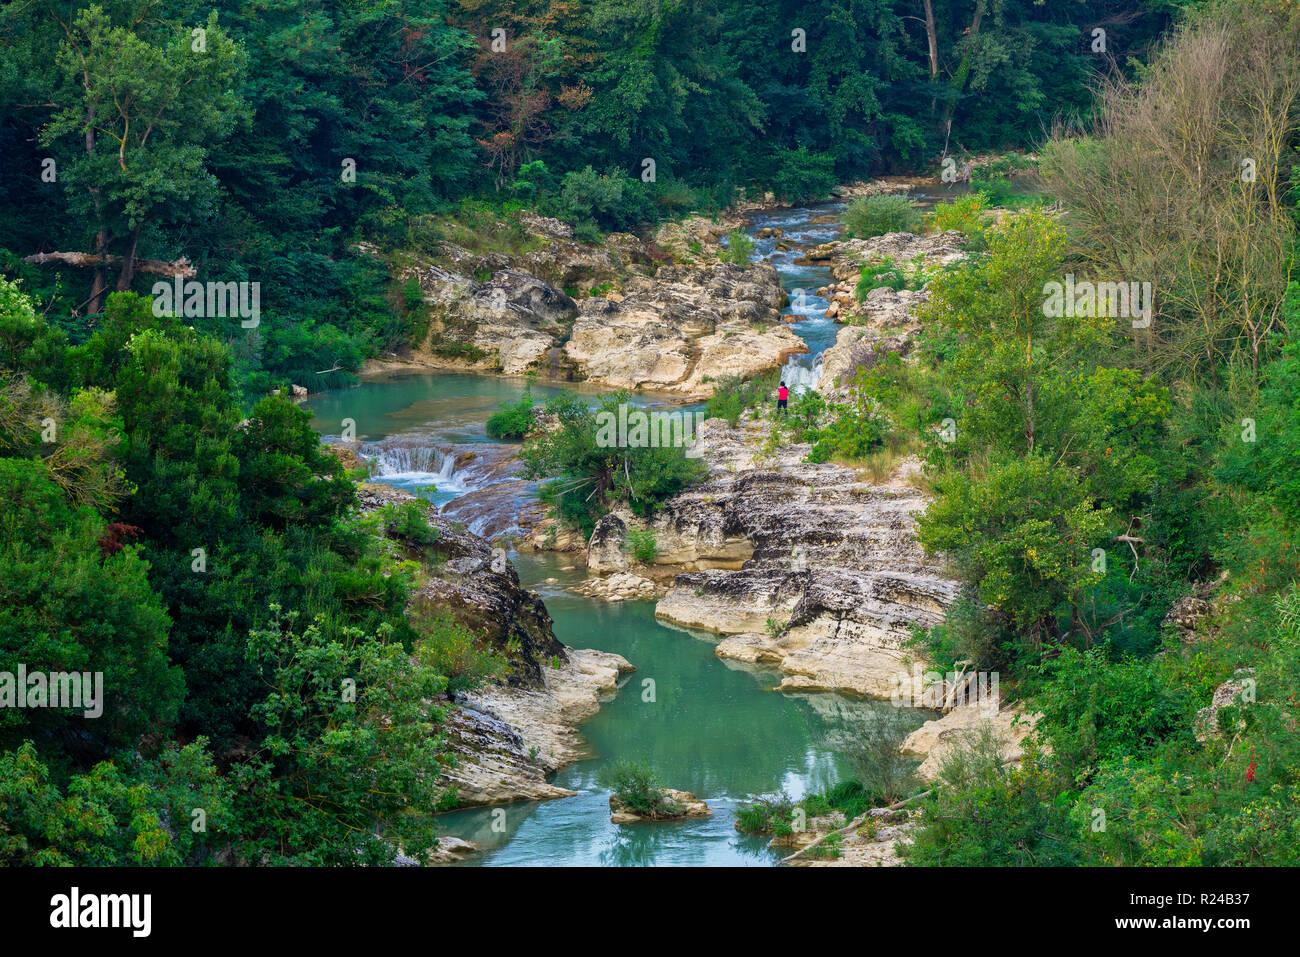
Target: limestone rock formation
621	586
482	593
507	740
1231	692
683	329
450	850
648	324
937	739
857	347
834	580
605	551
939	249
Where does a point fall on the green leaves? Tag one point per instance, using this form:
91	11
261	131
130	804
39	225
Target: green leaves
352	749
1022	531
593	471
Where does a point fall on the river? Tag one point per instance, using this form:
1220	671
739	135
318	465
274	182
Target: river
713	727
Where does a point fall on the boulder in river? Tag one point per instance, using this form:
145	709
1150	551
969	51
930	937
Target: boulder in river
673	805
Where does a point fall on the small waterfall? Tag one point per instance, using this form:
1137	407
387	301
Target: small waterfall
416	465
799	376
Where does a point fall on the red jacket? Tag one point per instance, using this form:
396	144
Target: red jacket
783	393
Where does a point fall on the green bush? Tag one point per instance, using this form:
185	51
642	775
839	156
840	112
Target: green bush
996	188
883	272
796	175
853	434
637	786
1096	709
876	215
732	395
512	420
643	545
738	249
612	201
591	473
767	815
986	813
965	214
450	649
408	521
805	412
831	847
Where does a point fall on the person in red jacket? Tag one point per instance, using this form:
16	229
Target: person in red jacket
782	398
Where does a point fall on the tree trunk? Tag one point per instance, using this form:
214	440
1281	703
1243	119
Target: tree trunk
128	261
101	262
932	39
959	80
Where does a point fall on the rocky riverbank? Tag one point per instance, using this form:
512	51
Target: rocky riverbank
506	738
885	319
805	566
508	741
666	315
666	312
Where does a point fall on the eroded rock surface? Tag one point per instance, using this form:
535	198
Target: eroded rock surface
676	805
937	739
1231	692
508	740
667	315
834	581
873	843
481	592
686	325
621	586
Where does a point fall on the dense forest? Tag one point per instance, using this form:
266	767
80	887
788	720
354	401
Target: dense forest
172	520
294	143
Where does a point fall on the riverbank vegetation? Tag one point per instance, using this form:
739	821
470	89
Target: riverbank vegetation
311	148
172	522
1093	470
594	463
261	702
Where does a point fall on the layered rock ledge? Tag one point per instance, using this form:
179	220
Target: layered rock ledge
507	741
805	566
667	315
507	738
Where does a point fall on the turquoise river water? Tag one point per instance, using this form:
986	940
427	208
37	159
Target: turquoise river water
712	727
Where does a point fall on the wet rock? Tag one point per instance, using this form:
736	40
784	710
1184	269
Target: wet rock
620	586
451	850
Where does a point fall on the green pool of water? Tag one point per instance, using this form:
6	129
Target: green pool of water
708	726
712	727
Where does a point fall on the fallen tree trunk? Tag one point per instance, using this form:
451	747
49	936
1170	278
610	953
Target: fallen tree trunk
158	267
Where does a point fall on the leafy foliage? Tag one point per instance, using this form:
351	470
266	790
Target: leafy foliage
875	215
